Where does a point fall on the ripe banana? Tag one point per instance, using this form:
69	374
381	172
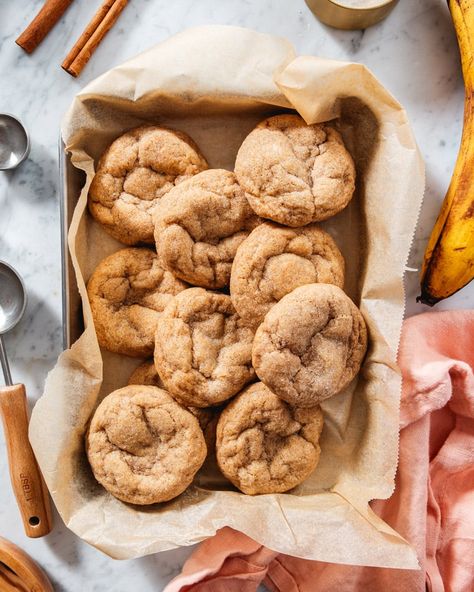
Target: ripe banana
449	258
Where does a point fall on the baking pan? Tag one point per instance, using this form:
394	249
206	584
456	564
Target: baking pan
71	182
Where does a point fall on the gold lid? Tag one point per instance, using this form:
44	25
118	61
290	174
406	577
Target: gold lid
351	14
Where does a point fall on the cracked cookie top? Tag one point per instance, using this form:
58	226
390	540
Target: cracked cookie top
203	350
199	226
134	173
265	445
143	447
295	173
274	260
127	292
310	345
147	374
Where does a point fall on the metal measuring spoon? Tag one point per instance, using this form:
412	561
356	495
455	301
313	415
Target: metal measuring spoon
28	485
14	142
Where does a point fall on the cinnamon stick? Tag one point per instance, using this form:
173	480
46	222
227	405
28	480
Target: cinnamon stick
42	24
102	21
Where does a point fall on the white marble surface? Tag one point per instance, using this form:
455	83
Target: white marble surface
413	53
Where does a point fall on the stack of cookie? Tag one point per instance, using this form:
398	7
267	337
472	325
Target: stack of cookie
242	286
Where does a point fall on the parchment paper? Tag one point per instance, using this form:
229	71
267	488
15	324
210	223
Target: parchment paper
216	83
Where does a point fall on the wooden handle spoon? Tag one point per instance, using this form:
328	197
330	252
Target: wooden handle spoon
28	485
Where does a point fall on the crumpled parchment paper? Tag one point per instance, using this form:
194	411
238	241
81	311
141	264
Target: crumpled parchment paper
216	83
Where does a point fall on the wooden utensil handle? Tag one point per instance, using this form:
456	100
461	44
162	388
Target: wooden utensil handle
28	484
42	24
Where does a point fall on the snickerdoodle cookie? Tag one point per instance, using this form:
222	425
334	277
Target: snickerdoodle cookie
134	173
295	173
146	374
207	418
310	345
203	349
199	226
143	447
127	292
265	445
274	260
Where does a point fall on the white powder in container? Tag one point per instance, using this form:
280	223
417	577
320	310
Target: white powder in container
361	3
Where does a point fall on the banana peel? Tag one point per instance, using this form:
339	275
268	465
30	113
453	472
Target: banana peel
449	258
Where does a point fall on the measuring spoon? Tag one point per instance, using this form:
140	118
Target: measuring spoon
28	485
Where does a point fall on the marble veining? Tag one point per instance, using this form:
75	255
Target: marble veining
414	54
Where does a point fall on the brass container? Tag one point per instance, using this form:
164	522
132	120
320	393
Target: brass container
338	13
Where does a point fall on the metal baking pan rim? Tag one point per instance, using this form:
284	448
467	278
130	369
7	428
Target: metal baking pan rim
71	182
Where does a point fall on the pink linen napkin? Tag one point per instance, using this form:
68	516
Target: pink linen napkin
433	502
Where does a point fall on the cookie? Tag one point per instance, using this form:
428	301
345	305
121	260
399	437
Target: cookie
127	293
310	345
203	350
295	173
199	226
143	447
207	418
132	176
274	260
265	445
146	374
